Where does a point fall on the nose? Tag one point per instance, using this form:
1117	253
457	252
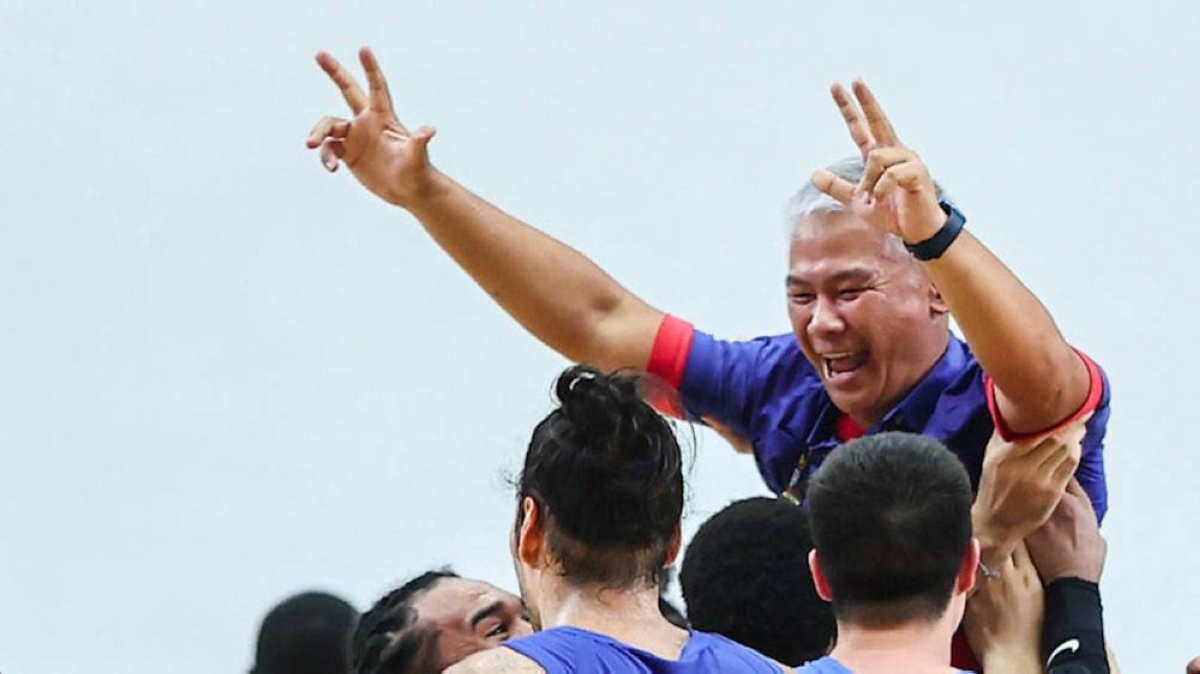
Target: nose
825	319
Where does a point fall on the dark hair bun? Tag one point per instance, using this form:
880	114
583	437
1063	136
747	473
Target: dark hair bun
605	464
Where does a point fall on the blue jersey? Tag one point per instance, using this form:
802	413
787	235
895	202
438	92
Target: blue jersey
828	665
768	392
569	650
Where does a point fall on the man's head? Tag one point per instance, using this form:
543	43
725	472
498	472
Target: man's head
891	522
745	575
601	493
864	311
432	622
308	633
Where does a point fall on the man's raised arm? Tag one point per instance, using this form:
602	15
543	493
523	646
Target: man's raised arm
1040	380
556	293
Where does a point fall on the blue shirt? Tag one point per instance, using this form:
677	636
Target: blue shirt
828	665
563	650
766	390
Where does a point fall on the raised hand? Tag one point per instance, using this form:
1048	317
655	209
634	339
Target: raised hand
896	193
1069	544
1020	486
384	156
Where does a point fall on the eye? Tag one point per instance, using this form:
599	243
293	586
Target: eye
801	298
500	630
850	293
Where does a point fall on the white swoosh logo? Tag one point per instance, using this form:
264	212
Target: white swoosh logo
1068	645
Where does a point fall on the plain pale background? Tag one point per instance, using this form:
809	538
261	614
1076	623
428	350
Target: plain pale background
227	376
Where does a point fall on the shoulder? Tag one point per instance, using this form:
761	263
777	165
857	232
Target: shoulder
496	660
751	657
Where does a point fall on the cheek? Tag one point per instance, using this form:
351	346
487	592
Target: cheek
800	316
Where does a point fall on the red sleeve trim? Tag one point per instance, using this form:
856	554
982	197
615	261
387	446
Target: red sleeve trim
672	346
1095	395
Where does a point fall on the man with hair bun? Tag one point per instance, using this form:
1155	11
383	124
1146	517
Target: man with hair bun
599	502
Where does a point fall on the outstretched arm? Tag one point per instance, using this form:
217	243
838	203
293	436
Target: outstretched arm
1040	380
553	291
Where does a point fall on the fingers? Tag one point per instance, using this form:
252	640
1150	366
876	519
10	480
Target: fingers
332	152
878	161
839	188
906	176
381	98
878	122
328	127
860	131
423	135
1064	470
354	95
1075	489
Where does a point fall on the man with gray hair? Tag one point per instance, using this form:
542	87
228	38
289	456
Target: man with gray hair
879	261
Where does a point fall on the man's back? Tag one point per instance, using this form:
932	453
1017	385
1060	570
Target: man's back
569	649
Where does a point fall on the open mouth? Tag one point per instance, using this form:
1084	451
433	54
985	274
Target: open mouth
841	366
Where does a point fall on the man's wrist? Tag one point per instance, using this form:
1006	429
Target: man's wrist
995	545
934	242
426	191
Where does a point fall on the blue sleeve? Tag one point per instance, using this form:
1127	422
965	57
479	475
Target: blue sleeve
733	381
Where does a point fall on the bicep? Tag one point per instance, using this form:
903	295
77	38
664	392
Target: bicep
1076	391
625	336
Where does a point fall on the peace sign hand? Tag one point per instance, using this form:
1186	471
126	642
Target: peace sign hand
384	156
896	193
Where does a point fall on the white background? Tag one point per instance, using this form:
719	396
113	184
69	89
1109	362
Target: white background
226	376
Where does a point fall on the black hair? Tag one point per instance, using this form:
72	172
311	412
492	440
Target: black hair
308	633
608	473
666	577
386	640
891	520
745	576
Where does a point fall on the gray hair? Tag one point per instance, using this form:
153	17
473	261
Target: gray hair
811	201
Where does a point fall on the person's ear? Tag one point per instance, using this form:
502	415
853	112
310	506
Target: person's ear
531	540
675	547
819	581
967	573
937	303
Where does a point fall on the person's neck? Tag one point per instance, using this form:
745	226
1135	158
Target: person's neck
920	647
629	615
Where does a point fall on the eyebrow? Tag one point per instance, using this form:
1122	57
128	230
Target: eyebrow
854	273
485	613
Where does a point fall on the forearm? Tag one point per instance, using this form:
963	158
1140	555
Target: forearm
1073	632
556	293
1014	662
1039	378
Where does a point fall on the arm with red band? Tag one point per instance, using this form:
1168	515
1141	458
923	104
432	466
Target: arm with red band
1091	402
1039	379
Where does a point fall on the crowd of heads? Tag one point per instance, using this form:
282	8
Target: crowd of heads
885	541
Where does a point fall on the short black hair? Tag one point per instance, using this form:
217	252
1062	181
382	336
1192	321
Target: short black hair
385	640
608	472
745	576
308	633
891	521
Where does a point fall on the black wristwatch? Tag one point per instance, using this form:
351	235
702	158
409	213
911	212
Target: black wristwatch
933	247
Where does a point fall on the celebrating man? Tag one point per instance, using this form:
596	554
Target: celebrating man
878	263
